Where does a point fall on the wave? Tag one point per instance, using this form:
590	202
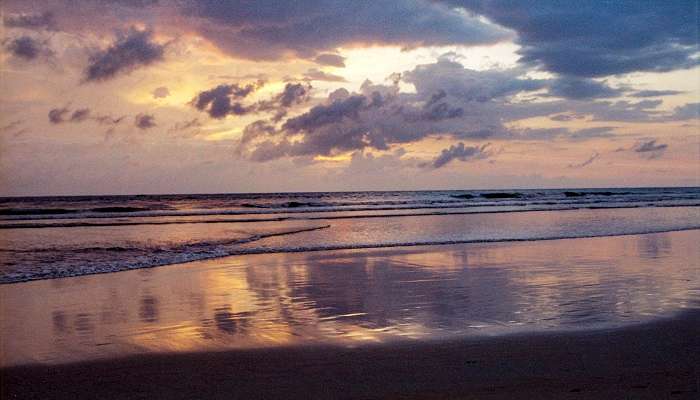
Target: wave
218	249
129	257
289	203
82	224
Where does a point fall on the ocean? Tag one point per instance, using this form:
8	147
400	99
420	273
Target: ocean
53	237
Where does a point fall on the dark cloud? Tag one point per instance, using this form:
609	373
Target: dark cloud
579	89
222	100
14	128
65	114
650	146
255	130
655	93
293	93
130	51
26	48
30	21
161	92
566	117
650	150
469	85
587	162
108	119
185	125
186	128
333	60
622	110
321	115
80	115
58	115
460	152
591	39
317	75
144	121
593	133
685	112
436	108
273	29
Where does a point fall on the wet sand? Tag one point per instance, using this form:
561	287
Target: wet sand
609	317
657	360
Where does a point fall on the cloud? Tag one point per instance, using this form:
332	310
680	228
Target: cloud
58	115
322	115
650	146
65	114
131	50
649	150
30	21
80	115
161	92
685	112
593	39
108	119
469	85
579	89
274	29
587	162
314	74
566	117
144	121
621	110
27	48
333	60
14	128
221	101
592	133
460	152
186	128
655	93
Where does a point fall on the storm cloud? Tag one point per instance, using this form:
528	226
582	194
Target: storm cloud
131	50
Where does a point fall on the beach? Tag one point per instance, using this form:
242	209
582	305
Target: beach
601	317
405	199
651	361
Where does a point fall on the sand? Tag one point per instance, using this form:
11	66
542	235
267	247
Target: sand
327	325
648	361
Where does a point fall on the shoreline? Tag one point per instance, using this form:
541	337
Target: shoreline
650	360
388	246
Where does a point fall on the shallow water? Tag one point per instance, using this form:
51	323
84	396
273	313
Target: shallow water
354	297
45	253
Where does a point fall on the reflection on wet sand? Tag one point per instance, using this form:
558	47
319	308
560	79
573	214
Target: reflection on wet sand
353	297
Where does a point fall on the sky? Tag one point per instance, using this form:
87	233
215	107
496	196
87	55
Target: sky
185	96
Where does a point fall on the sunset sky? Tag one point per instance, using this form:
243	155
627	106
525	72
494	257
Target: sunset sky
185	96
